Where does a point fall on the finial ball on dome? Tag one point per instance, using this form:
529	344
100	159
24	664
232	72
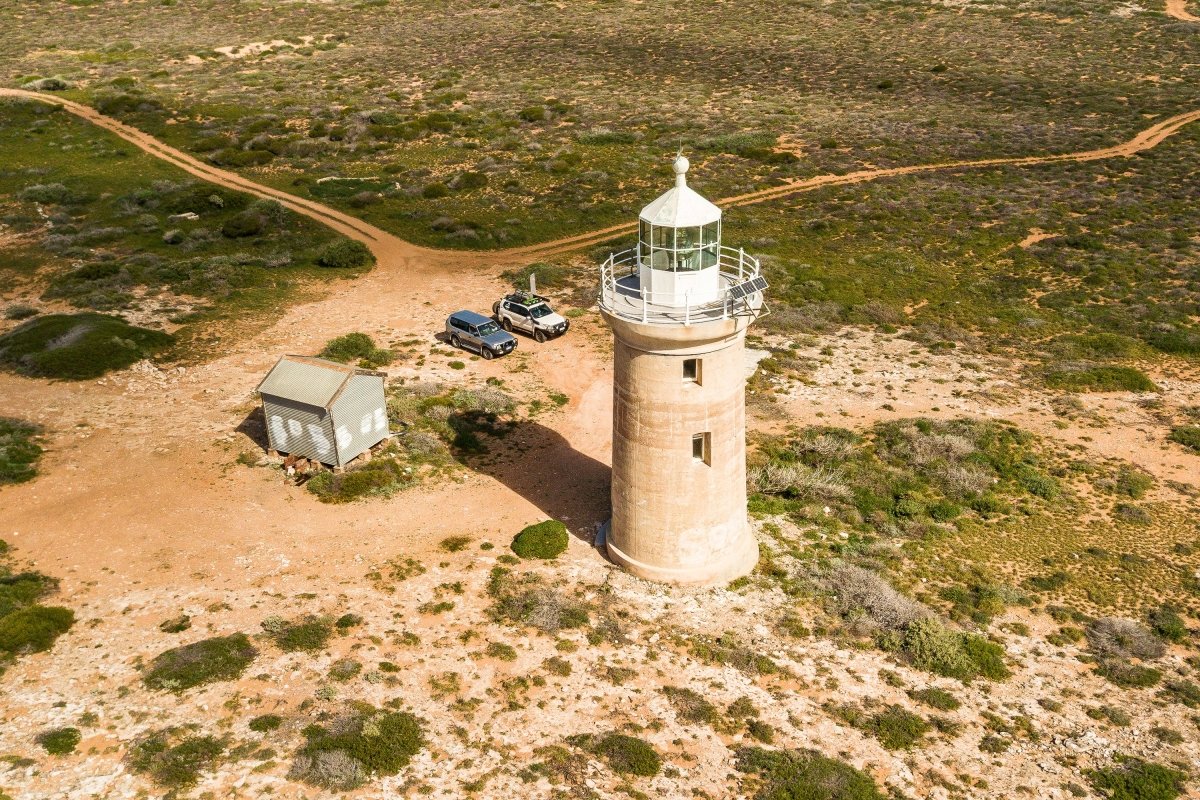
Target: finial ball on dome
681	164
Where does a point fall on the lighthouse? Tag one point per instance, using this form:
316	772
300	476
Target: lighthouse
679	304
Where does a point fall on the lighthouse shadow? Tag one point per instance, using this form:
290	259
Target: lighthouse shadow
541	466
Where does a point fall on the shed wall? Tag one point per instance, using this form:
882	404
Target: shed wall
299	429
359	416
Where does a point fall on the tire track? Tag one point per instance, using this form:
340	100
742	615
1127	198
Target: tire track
389	249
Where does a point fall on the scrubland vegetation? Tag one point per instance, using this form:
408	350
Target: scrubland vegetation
110	232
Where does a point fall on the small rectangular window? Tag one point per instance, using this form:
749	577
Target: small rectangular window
700	447
691	370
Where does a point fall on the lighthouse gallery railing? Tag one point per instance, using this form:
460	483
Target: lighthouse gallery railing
629	300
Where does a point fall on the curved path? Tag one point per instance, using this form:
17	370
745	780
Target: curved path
388	248
1178	10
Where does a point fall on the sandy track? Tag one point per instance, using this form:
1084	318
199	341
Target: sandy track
1178	10
388	248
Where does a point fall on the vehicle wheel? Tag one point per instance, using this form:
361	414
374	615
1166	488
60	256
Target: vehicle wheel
487	353
506	323
496	308
539	335
455	343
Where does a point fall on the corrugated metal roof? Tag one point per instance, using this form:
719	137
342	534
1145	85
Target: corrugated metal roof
313	381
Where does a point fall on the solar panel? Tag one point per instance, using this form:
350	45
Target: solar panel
747	288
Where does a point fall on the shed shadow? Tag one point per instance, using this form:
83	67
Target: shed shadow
254	428
541	466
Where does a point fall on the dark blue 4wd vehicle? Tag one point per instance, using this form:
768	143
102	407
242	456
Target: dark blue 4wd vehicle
479	333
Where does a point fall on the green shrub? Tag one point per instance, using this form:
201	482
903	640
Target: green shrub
23	589
77	346
1167	624
991	743
1134	779
532	113
174	766
1186	435
627	755
19	450
804	775
932	646
1100	379
1182	691
544	540
1047	583
504	652
265	723
221	658
59	741
34	628
244	224
380	477
1127	675
363	743
935	698
176	624
347	621
357	346
308	634
454	544
691	706
345	254
896	728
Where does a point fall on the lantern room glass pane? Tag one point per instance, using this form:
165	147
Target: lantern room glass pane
688	238
663	236
644	233
712	234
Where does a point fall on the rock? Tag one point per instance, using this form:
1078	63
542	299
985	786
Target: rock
186	216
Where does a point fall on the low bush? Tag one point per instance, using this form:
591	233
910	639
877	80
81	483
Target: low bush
33	629
1100	379
345	254
19	450
176	624
77	346
308	634
544	540
1167	624
1135	779
624	754
1115	637
804	775
381	477
357	347
691	706
220	658
59	741
935	698
172	762
930	645
1128	675
363	742
1186	435
265	723
1182	691
525	601
504	652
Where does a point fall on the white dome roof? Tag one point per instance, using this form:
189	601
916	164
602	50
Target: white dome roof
682	206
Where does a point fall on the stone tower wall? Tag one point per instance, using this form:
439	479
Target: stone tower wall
675	518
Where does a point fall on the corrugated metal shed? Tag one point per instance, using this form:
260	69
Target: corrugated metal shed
323	410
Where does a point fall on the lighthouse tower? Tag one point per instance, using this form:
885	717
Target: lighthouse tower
679	304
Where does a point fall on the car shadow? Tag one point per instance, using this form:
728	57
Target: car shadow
540	465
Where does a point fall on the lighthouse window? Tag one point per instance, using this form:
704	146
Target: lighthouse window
691	370
700	447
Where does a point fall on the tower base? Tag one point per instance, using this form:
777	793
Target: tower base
732	564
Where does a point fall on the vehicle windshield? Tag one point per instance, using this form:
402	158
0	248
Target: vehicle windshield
488	328
540	310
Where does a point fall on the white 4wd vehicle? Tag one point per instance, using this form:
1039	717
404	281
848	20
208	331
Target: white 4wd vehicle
529	313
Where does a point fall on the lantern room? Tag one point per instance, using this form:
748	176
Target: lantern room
679	246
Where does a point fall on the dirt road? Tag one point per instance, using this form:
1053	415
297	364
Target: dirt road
387	248
1178	10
